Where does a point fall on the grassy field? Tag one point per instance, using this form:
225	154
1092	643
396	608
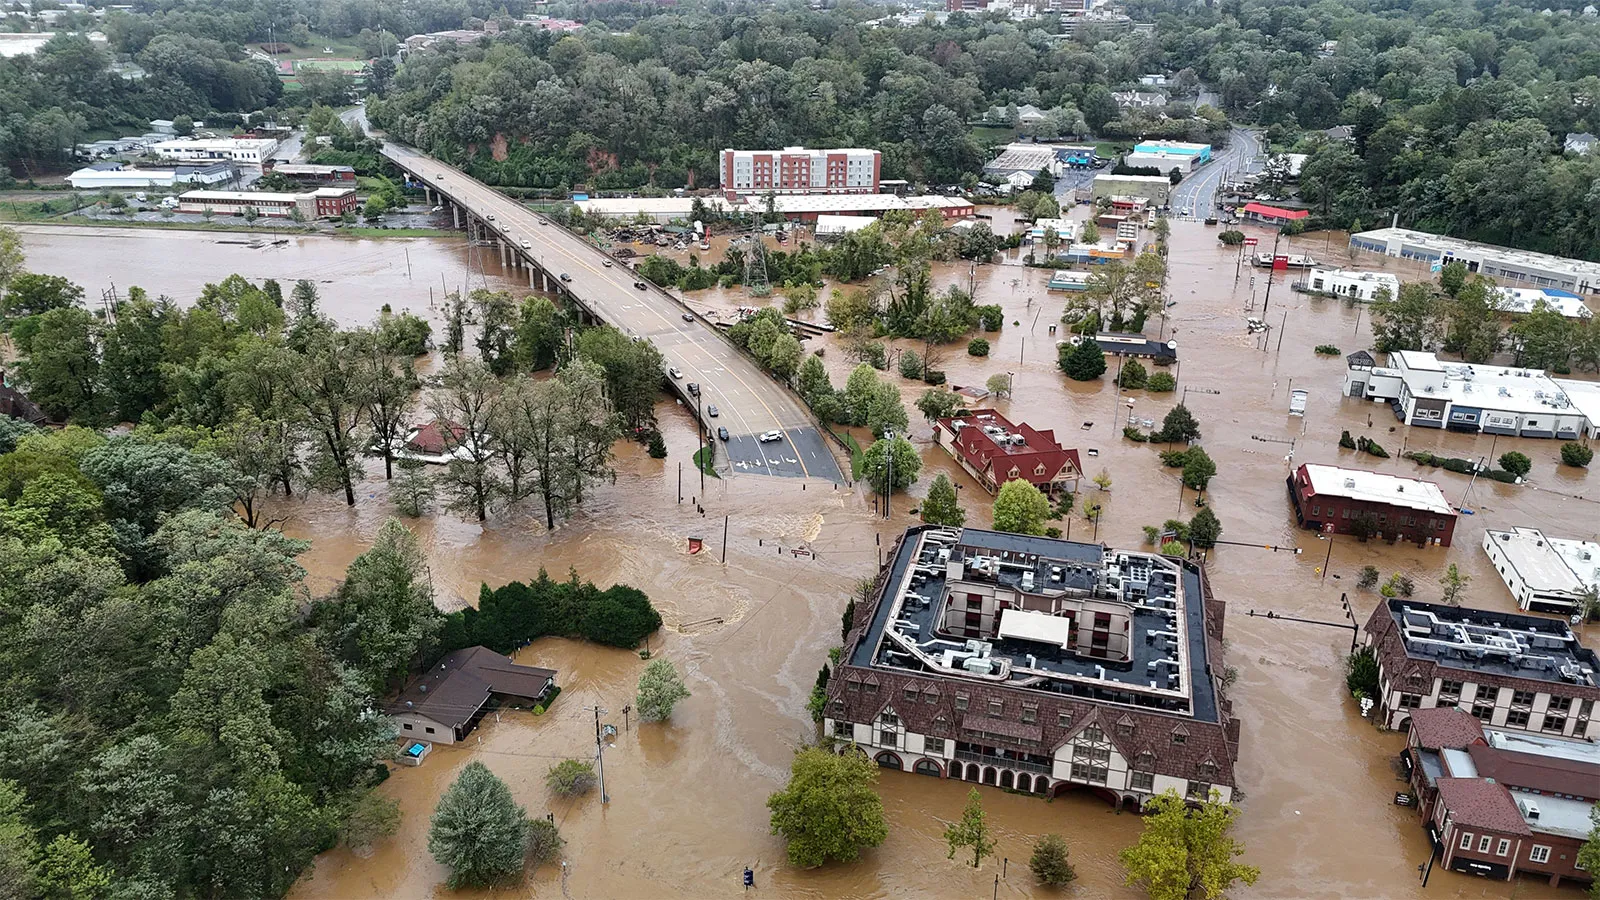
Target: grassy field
705	460
857	456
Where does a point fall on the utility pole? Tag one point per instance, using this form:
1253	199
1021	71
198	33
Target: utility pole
1272	270
600	753
724	540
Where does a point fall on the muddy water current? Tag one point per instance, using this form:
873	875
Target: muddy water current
687	809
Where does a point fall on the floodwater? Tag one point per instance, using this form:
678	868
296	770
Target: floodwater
687	809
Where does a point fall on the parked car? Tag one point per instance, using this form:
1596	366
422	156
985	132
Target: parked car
768	437
712	411
694	389
674	373
640	285
565	277
722	432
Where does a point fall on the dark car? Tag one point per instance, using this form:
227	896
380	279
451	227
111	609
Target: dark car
565	277
712	411
688	317
640	285
722	432
694	388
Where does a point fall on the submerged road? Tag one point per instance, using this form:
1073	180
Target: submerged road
748	400
1198	192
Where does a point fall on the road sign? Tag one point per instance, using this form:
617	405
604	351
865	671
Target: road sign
1251	242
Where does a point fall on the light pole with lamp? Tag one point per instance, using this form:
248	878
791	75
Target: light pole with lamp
1326	535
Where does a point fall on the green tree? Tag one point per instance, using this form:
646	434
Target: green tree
1049	861
1134	375
1516	463
1412	321
382	621
1542	339
468	402
941	507
12	258
886	412
1161	382
937	403
1451	584
1020	508
971	830
1361	673
1205	528
1178	425
660	689
1083	361
63	366
570	777
1198	468
1589	853
1182	852
478	831
877	469
829	810
68	871
19	845
1575	454
31	294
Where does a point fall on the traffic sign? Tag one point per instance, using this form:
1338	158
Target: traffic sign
1251	242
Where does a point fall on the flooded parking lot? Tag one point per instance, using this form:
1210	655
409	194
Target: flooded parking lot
688	798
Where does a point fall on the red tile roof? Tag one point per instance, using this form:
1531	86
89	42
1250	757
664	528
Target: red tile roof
430	437
984	454
1274	212
1445	726
1476	803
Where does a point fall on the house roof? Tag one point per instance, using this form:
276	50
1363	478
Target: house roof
430	438
1361	358
983	450
1275	212
1546	774
456	687
1476	803
1445	726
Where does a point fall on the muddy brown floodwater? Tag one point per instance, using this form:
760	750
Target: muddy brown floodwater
687	810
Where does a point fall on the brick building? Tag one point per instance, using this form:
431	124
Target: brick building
1496	803
1039	665
994	451
1507	670
1371	504
797	170
322	203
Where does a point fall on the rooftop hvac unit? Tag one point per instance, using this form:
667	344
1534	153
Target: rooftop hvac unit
1350	483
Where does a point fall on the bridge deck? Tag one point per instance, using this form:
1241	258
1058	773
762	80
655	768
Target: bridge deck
748	399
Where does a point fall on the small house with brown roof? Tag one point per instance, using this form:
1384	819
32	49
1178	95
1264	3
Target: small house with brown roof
445	703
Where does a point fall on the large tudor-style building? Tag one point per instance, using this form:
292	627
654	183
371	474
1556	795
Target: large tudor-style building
994	451
1039	665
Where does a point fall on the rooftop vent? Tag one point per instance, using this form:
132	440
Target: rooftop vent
1350	483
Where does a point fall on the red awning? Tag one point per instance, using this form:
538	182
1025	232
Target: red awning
1274	212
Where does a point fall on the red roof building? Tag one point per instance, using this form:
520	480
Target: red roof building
995	451
1272	215
430	438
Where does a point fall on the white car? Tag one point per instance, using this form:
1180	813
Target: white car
770	436
674	372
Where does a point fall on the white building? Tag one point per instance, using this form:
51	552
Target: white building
1362	286
1066	229
1544	574
1521	301
1155	188
1426	392
798	170
243	151
1161	161
103	176
1585	398
1522	268
839	226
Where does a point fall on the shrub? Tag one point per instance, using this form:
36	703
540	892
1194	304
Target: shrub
977	347
934	377
1327	350
1361	673
1160	383
910	364
1134	434
570	777
1368	579
1172	548
990	316
1049	861
1346	441
1575	454
1134	375
1370	447
658	446
1516	463
1501	476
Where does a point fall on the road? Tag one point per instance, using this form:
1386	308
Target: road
1198	192
749	401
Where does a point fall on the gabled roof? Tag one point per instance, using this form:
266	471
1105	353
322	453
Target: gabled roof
1477	803
456	687
430	438
1445	726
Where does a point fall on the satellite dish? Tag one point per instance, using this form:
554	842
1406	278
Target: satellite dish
1172	345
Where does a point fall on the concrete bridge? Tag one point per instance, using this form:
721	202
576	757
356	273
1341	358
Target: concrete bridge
748	400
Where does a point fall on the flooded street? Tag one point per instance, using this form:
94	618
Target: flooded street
687	809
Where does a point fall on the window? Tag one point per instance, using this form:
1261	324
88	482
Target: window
911	694
1449	688
1096	754
1064	720
1199	790
1208	769
428	730
1125	729
1555	723
852	685
842	729
1142	781
930	698
1482	711
1560	704
408	726
1316	510
1484	842
1466	840
1030	713
1539	854
872	687
1410	701
961	701
1517	718
1502	848
1179	737
1093	734
1089	772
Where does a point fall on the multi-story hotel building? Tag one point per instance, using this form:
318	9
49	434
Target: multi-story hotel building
797	170
1507	670
1039	665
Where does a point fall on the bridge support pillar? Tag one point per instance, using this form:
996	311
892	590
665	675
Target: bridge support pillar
455	214
505	261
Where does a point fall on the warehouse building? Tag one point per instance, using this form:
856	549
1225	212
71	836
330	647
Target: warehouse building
1155	188
1519	268
322	203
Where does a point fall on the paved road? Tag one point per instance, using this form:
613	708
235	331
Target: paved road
748	400
1198	192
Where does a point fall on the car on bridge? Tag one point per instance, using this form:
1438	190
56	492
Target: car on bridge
722	432
565	277
768	437
712	411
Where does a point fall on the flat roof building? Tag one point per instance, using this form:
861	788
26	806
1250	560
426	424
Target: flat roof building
1518	268
313	174
1371	505
1496	802
1027	159
1155	188
1521	301
1585	398
1428	392
798	170
321	203
104	175
1163	161
1544	574
1271	215
994	451
804	208
1200	152
1508	670
244	151
1361	286
838	226
1039	665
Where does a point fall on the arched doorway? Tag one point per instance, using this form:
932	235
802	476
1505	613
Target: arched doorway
890	761
1006	779
929	767
971	773
988	775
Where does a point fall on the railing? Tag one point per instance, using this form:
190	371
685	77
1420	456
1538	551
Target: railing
1004	762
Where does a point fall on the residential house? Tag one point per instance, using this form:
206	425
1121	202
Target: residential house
993	450
445	703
